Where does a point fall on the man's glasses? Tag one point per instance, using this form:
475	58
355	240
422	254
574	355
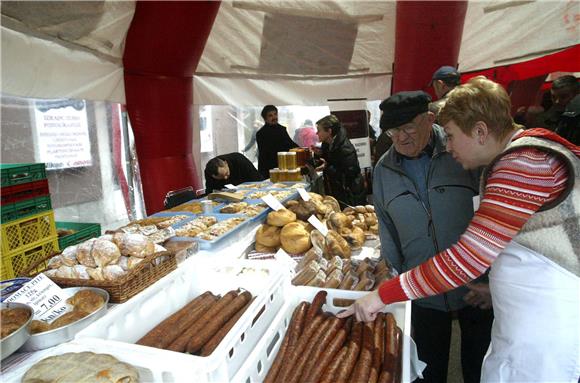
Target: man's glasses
408	129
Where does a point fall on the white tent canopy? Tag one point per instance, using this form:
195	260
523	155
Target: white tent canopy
299	52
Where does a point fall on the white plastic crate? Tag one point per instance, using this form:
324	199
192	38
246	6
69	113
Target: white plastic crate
144	363
260	360
127	323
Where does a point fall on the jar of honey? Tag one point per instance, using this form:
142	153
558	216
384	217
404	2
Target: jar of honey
282	161
274	175
291	162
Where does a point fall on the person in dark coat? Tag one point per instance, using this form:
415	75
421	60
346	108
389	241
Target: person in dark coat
342	174
271	138
569	124
232	168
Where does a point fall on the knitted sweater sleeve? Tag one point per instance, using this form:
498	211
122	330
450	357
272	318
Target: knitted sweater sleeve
520	183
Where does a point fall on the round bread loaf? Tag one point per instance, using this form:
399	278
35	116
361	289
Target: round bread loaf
268	236
281	217
295	239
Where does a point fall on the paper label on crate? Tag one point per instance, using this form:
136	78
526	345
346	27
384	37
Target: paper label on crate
272	202
230	186
283	257
314	221
304	194
46	299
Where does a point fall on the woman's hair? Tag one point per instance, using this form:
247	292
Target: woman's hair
483	100
330	122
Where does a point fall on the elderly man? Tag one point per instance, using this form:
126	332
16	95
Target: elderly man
443	81
424	201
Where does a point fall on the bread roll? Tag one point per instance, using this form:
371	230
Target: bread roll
356	238
132	262
303	209
80	272
123	262
337	221
105	252
336	246
55	262
265	249
295	239
281	217
96	273
370	208
69	256
65	272
83	253
318	241
268	236
331	202
134	245
112	272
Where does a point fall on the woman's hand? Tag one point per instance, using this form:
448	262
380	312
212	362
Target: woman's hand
365	308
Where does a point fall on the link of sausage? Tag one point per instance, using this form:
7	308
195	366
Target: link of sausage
363	366
304	356
316	306
326	356
329	375
321	345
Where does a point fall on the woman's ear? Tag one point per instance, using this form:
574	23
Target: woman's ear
481	132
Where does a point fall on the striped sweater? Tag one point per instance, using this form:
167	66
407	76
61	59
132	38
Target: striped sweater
520	183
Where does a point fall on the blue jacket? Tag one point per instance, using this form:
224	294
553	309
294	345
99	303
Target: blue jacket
411	232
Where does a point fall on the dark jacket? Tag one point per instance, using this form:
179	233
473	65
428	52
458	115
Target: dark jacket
411	232
342	175
272	139
384	142
241	170
569	123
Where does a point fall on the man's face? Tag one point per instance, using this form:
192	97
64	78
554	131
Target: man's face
464	148
440	88
323	135
223	172
271	118
411	138
561	97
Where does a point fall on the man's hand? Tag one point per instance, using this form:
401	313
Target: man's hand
478	296
365	308
321	167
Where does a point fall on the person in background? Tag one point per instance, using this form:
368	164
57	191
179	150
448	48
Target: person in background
424	200
569	124
271	138
342	174
232	168
564	89
306	135
527	228
443	81
383	144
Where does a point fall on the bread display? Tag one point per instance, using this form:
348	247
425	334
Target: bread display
191	207
12	319
343	274
363	217
295	239
319	347
220	228
81	367
268	236
195	226
108	257
243	208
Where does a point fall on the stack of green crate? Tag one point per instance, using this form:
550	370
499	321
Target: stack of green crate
81	232
28	231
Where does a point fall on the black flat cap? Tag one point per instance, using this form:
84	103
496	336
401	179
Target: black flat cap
403	107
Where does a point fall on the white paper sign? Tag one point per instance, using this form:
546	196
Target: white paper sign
476	201
46	299
272	202
283	257
230	186
318	225
304	194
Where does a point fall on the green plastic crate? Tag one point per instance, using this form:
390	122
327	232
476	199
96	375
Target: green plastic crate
83	231
15	174
25	208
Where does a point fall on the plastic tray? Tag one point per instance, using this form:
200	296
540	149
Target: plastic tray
258	217
24	233
128	322
214	210
231	236
260	360
14	174
28	207
21	192
83	231
17	365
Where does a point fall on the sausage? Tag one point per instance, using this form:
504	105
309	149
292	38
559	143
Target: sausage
329	375
200	338
158	337
216	339
390	358
275	368
349	361
334	324
374	375
378	355
316	306
180	343
385	377
363	366
326	353
307	354
398	355
292	360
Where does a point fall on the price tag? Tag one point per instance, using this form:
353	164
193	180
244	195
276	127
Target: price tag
318	225
304	194
230	186
283	257
46	299
272	202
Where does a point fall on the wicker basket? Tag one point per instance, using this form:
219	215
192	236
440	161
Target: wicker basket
120	290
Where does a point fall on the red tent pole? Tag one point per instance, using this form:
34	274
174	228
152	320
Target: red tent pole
427	36
163	47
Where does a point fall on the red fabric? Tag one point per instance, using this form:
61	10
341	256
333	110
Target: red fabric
435	27
162	50
391	292
549	135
